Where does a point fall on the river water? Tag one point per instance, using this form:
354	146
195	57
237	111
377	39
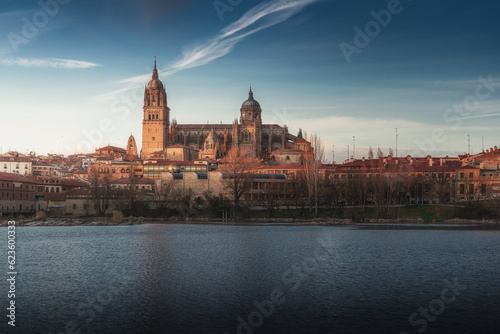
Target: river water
158	278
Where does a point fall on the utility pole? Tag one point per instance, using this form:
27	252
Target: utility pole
354	147
348	157
333	154
396	142
468	144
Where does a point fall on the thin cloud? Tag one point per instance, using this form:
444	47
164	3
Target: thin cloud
51	63
258	18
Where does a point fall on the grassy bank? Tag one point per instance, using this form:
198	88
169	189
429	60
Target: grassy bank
417	213
428	213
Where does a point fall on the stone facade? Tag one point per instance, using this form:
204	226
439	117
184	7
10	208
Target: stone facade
156	120
212	141
17	194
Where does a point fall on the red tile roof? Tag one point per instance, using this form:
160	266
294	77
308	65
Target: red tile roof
15	178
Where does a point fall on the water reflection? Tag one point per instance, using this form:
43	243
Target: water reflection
201	278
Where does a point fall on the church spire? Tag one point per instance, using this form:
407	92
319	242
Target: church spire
250	93
155	71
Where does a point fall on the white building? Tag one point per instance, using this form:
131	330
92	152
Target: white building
16	165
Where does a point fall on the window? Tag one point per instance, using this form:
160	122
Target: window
74	206
471	175
462	189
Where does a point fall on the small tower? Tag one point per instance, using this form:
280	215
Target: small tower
156	121
131	148
250	110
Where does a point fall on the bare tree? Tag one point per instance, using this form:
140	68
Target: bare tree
312	164
132	195
370	153
391	153
100	190
236	166
380	154
332	191
295	194
165	193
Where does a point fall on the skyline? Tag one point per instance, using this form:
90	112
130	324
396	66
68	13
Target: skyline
77	81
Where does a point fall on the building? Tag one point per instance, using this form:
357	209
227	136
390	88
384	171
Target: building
156	118
17	194
42	168
212	141
111	151
16	165
261	187
154	169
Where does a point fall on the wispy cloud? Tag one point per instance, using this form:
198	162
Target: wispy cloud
256	19
51	62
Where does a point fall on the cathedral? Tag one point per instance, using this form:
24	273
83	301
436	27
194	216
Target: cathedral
162	139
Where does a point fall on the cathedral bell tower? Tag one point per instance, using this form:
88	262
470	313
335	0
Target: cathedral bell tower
251	121
156	120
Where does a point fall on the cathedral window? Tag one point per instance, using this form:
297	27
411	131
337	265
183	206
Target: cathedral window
156	117
149	117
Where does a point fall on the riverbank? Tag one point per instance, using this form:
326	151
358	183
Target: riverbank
104	221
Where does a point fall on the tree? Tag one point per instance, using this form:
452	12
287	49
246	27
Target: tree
165	192
332	190
100	190
312	163
132	195
296	192
391	153
235	168
216	204
370	153
380	154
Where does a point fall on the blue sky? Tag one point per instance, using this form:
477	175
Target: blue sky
76	80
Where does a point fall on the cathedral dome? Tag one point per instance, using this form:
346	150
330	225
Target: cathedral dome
250	102
155	82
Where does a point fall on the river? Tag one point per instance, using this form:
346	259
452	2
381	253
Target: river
180	278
